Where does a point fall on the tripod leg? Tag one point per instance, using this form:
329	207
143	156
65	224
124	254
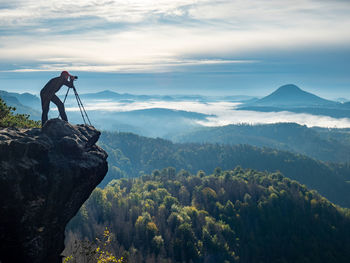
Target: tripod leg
78	101
66	96
87	117
79	104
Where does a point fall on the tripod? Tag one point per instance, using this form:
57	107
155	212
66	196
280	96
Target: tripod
80	104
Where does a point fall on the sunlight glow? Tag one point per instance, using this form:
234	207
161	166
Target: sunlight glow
134	36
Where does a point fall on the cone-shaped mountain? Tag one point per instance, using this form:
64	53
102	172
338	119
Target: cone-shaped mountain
291	95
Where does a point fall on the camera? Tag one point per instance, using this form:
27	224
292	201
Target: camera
74	77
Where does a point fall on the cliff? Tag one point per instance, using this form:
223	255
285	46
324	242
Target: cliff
45	176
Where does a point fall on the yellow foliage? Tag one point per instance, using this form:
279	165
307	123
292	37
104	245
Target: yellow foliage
67	259
152	227
102	255
313	202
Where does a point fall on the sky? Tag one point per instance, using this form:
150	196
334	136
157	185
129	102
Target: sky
206	47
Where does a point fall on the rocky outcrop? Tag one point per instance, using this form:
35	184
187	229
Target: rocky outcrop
45	176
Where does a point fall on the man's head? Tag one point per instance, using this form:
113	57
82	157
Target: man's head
65	74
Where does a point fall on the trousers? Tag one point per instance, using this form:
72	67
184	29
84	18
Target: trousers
45	104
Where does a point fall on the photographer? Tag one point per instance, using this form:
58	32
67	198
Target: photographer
47	94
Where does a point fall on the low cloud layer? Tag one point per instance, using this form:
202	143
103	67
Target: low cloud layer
225	113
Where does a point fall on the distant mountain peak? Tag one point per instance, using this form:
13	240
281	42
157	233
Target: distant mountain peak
106	92
289	88
291	95
290	91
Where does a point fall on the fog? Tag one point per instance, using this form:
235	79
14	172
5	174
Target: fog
222	113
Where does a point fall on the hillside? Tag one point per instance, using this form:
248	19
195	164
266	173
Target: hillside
111	95
15	100
154	122
131	155
25	99
229	216
332	145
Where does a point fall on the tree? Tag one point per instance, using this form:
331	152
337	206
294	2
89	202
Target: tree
9	119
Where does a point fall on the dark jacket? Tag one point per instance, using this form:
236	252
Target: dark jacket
54	85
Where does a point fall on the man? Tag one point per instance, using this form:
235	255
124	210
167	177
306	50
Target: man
47	94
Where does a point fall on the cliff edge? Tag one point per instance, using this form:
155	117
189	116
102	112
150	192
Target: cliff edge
45	176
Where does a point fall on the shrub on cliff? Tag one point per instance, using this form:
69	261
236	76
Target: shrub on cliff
10	119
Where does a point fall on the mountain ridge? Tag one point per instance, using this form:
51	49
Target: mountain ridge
26	99
293	99
130	154
24	103
291	137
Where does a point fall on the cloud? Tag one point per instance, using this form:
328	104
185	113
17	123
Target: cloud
20	13
146	35
150	66
253	117
224	112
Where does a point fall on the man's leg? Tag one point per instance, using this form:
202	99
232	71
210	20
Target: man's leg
60	107
45	105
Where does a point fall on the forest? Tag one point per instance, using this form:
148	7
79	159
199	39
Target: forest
228	216
193	202
131	155
326	144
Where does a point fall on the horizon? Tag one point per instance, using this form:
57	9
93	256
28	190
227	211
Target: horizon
62	92
177	47
218	111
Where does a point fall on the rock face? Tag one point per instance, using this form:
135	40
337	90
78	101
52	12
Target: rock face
45	176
